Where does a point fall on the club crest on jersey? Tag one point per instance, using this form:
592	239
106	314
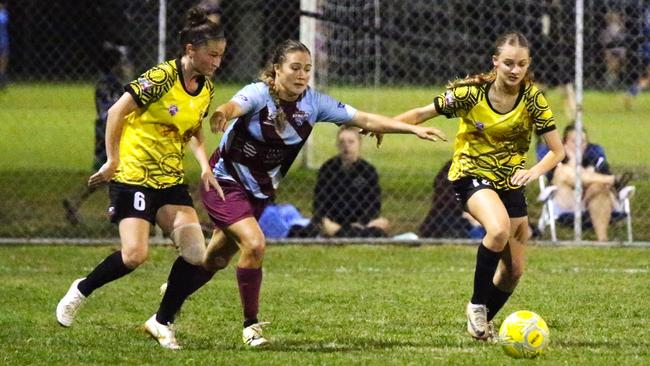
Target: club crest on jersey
479	125
145	84
173	109
449	98
300	117
270	118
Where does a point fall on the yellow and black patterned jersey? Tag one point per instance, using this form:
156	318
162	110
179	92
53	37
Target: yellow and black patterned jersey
489	144
154	136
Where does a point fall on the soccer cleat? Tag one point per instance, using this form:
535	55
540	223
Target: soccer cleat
164	334
477	324
69	305
252	335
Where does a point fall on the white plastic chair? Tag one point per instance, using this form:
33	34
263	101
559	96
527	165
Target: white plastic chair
549	216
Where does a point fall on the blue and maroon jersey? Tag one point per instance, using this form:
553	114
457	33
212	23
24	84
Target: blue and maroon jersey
255	153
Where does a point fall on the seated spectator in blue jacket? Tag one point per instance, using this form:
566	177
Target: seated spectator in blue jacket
599	185
347	197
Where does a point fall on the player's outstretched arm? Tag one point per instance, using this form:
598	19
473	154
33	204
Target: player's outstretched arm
418	115
223	114
382	124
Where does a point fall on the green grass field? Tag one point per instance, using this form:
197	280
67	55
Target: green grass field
47	144
343	305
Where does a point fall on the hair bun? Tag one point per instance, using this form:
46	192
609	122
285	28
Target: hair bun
195	17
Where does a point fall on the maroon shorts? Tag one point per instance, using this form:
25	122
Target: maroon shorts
239	204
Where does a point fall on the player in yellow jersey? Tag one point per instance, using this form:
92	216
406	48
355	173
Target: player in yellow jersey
147	130
498	112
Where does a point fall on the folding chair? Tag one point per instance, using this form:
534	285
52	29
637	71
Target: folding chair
549	216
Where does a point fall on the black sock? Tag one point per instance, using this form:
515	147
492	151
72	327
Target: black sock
109	270
496	299
184	279
249	322
486	266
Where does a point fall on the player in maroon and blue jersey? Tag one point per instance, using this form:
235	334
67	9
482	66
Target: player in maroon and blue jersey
273	119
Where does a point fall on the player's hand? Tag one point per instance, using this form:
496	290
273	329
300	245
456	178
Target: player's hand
429	133
218	122
378	136
524	176
103	175
208	180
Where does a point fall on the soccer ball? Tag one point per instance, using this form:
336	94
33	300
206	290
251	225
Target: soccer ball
524	334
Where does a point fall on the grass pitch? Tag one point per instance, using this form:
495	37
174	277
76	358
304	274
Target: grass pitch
329	305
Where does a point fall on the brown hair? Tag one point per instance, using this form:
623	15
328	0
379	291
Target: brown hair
346	127
198	29
267	75
570	128
510	38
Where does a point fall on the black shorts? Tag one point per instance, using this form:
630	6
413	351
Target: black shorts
514	200
129	200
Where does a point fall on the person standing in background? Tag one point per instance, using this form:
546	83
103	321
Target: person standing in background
116	69
4	43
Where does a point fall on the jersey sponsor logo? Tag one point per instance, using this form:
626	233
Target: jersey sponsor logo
242	97
145	84
341	105
479	125
173	109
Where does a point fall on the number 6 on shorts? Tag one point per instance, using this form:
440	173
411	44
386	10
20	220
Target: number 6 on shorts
139	202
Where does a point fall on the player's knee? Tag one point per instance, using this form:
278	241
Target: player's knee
190	242
499	234
254	247
597	188
217	263
133	258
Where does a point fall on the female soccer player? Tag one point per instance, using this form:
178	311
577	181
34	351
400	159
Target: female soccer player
499	111
273	119
146	134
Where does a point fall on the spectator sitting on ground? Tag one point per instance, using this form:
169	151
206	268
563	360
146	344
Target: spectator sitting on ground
347	197
599	184
447	219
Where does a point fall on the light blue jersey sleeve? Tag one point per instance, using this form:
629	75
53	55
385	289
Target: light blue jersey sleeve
331	110
252	97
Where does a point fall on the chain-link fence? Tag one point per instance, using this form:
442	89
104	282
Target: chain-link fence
378	56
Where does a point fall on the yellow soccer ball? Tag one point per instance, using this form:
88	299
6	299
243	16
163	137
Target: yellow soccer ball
524	334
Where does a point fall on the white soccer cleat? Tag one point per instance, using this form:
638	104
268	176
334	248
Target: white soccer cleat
252	335
164	334
477	324
69	305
